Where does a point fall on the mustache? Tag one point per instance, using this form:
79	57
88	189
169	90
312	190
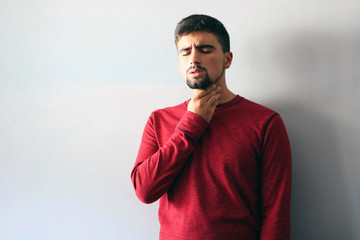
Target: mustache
196	66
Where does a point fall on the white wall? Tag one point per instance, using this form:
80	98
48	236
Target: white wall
78	80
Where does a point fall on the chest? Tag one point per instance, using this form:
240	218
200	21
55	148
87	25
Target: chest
228	144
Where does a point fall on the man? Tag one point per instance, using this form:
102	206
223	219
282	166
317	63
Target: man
219	163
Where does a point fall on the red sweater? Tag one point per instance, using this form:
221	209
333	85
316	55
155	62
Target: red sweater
230	179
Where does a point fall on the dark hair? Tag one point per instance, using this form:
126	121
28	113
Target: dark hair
199	22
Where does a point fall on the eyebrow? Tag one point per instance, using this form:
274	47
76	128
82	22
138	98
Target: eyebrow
201	46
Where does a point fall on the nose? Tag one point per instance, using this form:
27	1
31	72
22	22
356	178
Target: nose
194	57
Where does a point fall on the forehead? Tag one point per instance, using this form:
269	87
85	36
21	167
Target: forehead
198	38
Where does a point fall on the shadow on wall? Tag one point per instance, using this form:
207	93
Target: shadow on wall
320	199
324	72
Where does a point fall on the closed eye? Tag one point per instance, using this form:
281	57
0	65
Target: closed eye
206	50
185	53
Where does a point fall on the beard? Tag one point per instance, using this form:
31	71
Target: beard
202	83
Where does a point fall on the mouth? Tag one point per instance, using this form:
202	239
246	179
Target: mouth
196	72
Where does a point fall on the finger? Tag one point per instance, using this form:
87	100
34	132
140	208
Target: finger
214	92
212	100
213	106
210	94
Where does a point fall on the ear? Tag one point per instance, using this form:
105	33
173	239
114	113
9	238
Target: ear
228	59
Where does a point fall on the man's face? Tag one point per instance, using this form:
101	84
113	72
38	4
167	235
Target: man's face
201	59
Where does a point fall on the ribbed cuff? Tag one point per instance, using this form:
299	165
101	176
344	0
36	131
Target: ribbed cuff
192	124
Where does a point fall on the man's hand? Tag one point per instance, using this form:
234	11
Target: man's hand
205	101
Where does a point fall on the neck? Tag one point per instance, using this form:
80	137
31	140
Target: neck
225	95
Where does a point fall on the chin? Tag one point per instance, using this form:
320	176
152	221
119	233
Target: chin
199	83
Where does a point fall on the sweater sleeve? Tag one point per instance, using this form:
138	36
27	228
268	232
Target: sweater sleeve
157	166
275	181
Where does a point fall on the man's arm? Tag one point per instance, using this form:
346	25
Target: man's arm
276	182
157	166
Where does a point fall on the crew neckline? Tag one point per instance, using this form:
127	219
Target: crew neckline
227	104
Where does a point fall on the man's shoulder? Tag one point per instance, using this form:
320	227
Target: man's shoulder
254	113
244	107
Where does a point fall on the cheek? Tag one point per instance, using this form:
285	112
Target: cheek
215	66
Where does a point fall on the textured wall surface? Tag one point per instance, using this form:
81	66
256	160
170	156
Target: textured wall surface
78	80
